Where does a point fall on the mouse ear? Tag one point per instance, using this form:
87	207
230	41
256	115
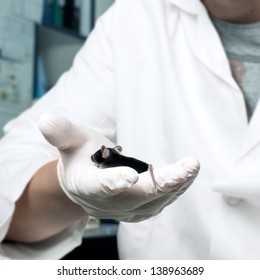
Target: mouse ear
118	149
105	152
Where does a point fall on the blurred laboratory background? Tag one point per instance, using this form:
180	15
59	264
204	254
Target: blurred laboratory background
38	40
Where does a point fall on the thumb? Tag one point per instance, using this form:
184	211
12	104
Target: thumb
60	132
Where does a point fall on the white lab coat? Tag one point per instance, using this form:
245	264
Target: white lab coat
154	78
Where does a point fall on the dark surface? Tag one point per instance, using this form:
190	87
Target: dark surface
95	249
97	244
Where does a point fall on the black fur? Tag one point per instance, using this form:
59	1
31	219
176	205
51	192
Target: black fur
111	157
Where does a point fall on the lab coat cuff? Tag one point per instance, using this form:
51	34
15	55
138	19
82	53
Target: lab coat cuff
7	209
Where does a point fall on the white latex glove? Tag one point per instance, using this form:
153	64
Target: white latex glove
116	193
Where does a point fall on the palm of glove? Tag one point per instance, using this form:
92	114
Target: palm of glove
116	193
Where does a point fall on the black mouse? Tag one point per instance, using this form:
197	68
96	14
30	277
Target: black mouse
112	157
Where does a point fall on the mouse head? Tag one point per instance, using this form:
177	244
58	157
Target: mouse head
106	155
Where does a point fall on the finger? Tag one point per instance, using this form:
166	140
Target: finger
105	183
60	132
156	205
171	180
175	177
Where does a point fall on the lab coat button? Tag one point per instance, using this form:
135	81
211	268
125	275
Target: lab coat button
232	201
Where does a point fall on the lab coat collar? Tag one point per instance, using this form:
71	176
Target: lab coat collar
190	6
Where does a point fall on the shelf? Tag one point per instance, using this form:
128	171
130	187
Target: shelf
48	35
97	244
63	30
57	47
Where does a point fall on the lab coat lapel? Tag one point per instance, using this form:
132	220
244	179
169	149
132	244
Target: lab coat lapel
252	137
213	57
216	60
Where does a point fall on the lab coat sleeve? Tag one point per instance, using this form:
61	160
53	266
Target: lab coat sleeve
84	94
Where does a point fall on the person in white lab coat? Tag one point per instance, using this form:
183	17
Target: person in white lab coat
164	79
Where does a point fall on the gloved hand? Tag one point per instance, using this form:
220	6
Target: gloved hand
116	193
